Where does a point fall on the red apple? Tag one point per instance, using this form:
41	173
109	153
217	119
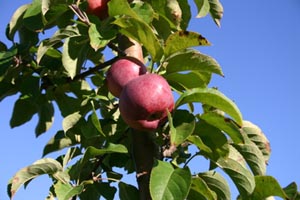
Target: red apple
144	102
98	8
121	72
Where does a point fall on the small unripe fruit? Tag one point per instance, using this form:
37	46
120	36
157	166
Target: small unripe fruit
144	102
121	72
98	8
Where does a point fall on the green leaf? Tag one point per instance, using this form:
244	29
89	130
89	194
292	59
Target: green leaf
169	183
215	144
57	38
144	11
225	124
253	157
258	137
192	60
142	33
71	120
128	192
23	111
241	176
33	18
267	186
92	152
200	190
96	190
46	118
189	80
183	126
292	191
213	98
96	123
217	183
203	7
181	40
65	191
59	141
73	55
40	167
216	11
96	40
16	21
121	7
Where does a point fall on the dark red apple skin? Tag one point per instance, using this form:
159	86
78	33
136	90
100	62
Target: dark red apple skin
144	102
98	8
121	72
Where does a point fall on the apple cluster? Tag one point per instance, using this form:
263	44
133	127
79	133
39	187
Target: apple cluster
144	98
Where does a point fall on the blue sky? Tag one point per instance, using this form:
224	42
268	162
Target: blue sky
258	47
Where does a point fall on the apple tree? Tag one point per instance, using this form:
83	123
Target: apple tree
61	59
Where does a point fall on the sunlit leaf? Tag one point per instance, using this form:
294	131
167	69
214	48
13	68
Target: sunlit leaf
217	183
213	98
292	191
40	167
71	120
73	55
141	32
203	7
216	11
267	186
96	40
66	191
258	137
181	40
169	183
192	60
57	38
184	81
16	21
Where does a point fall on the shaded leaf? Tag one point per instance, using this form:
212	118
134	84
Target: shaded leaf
59	141
216	11
96	40
23	111
183	126
169	183
241	176
33	18
96	190
192	60
253	157
292	191
181	40
46	118
142	33
200	190
92	152
128	192
217	183
40	167
213	98
225	124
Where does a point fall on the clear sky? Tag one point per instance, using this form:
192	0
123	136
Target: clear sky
258	47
